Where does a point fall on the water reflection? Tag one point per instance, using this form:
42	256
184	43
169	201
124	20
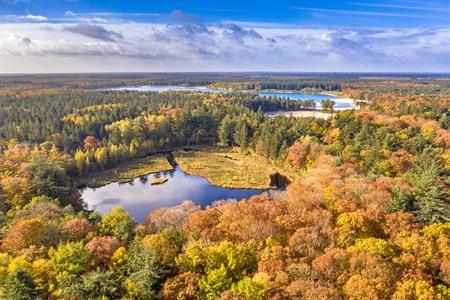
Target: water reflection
139	197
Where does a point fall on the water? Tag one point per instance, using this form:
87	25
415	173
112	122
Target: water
341	103
139	197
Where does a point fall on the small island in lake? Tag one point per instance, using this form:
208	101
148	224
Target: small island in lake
158	181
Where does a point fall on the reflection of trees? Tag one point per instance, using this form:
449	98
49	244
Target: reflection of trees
169	173
143	179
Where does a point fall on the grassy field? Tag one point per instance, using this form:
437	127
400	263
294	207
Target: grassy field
226	167
128	171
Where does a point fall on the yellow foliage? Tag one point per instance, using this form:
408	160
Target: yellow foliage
375	246
328	195
19	263
420	290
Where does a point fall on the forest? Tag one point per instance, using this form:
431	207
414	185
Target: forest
367	218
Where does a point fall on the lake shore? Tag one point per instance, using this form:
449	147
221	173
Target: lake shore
127	171
221	167
302	114
226	167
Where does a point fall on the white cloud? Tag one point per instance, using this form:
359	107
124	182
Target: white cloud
28	17
196	46
35	18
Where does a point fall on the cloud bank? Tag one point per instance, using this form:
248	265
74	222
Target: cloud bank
84	45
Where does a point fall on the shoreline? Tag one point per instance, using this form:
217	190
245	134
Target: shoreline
157	163
301	114
126	171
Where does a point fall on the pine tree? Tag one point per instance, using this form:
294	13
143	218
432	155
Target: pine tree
225	131
241	134
20	285
428	195
400	200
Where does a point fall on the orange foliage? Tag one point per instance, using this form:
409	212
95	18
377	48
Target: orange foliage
174	216
103	247
90	143
77	228
24	234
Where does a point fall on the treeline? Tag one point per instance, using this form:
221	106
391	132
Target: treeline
280	84
67	117
228	125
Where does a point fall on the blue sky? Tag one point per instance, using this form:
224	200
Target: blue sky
84	36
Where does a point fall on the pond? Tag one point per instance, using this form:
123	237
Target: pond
341	103
139	197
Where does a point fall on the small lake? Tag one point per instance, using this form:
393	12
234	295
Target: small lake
341	103
139	197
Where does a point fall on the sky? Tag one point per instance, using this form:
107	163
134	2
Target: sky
52	36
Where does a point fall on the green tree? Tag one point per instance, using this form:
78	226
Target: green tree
19	285
49	177
328	105
427	192
143	274
215	282
400	200
100	285
226	131
117	222
249	288
69	261
241	134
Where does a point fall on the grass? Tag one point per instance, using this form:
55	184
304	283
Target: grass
128	171
227	167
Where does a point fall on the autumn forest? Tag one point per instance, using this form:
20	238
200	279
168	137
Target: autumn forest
362	212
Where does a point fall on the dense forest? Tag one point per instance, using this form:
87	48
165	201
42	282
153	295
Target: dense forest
369	218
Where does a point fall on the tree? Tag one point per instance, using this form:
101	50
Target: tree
100	285
143	274
353	225
77	228
25	233
215	282
117	222
250	289
400	200
427	193
69	261
241	134
226	131
49	178
101	157
415	290
328	105
168	217
182	287
90	143
103	247
302	152
20	286
160	249
375	246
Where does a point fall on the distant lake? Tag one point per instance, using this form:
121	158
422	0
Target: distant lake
341	103
139	197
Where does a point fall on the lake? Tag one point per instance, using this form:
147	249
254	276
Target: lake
341	103
139	197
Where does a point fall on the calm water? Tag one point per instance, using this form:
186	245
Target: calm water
139	197
340	102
